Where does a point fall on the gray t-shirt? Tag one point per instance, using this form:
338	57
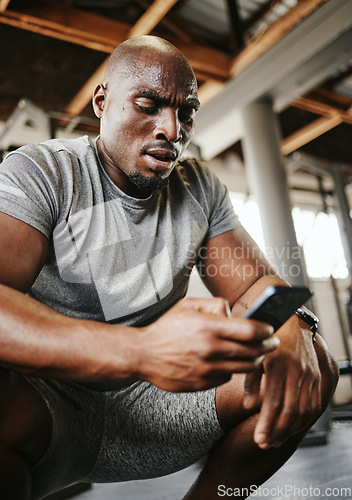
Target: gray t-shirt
112	258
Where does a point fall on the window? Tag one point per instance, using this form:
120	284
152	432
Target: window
318	234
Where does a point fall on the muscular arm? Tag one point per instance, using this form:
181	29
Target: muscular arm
35	339
193	346
290	396
242	271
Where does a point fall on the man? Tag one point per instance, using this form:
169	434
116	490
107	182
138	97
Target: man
107	375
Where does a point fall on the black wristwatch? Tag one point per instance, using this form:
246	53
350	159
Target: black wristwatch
310	318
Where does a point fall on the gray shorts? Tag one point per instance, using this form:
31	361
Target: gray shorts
136	432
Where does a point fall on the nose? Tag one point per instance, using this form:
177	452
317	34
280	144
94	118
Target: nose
168	125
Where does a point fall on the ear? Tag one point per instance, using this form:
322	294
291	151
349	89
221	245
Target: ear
99	99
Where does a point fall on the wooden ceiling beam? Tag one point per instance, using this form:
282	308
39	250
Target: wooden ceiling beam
208	61
258	46
175	25
3	5
208	90
323	109
102	34
99	33
327	96
68	24
152	16
332	115
312	131
308	134
85	94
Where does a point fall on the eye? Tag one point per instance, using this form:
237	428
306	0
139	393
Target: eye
146	105
186	115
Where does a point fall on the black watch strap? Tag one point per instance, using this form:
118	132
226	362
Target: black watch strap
310	318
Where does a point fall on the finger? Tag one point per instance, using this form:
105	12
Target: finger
310	405
213	312
229	367
305	406
302	413
219	317
216	306
270	344
243	329
252	395
251	350
270	410
289	420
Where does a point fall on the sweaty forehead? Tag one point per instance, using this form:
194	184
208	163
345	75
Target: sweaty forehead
158	69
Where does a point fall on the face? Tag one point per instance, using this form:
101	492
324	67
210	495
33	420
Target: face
147	120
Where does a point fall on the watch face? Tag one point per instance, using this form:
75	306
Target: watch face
310	314
306	315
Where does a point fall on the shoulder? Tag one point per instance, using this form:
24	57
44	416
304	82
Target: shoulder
208	192
57	160
192	165
199	179
47	149
196	173
51	170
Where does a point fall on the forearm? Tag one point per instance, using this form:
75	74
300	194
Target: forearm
242	303
297	326
38	341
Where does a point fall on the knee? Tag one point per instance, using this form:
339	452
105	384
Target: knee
329	372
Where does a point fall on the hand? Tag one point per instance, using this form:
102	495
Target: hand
195	346
291	398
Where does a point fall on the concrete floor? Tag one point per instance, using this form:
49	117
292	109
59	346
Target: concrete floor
323	471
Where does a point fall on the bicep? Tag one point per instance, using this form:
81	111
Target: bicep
232	263
23	250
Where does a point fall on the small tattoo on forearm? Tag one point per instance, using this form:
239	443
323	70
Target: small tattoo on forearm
243	304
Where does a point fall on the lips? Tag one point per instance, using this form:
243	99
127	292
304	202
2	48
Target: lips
160	159
162	154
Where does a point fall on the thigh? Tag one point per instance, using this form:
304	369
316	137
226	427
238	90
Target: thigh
25	421
77	428
150	432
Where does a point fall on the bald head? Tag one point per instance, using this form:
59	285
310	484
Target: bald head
137	53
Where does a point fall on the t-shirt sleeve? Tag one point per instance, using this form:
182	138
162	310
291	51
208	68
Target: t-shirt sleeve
222	216
215	200
30	191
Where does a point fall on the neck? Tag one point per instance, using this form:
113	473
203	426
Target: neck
119	178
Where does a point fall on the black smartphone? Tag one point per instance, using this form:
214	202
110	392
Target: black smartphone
277	303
